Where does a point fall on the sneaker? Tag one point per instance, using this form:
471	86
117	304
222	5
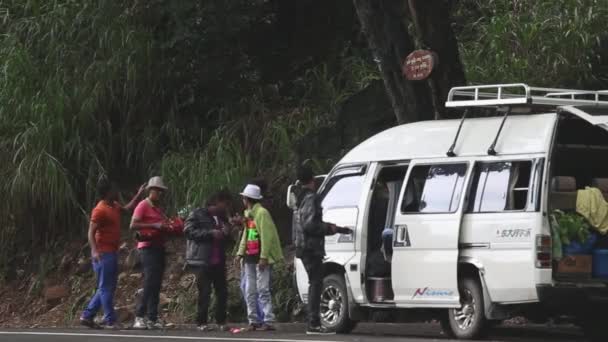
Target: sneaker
266	327
155	325
318	331
140	324
223	328
253	327
205	328
89	323
112	326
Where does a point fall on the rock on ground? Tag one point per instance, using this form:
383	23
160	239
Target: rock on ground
125	313
133	260
54	294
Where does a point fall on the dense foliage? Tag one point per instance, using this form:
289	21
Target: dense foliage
212	93
543	43
207	93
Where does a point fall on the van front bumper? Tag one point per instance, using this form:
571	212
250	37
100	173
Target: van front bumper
568	296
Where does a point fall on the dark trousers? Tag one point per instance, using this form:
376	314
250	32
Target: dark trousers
313	265
207	276
153	263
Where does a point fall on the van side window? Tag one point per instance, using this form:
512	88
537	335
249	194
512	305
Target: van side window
434	189
500	186
343	192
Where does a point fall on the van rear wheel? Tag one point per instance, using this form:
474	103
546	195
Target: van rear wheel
468	321
334	305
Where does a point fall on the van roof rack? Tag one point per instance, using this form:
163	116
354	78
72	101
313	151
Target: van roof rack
520	94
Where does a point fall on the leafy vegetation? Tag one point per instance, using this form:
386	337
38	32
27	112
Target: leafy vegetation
540	42
68	69
571	227
212	93
285	298
134	89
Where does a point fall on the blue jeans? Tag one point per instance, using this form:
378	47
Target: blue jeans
244	293
258	294
106	270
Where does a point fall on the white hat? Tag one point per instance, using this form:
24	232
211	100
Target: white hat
252	191
156	182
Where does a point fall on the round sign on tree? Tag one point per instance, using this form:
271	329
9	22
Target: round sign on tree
419	65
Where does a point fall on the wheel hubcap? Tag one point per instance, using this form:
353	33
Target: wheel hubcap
465	316
331	306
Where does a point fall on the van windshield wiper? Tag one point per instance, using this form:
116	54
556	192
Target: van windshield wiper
450	152
492	149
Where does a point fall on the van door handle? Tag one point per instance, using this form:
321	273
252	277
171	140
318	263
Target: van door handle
400	235
347	237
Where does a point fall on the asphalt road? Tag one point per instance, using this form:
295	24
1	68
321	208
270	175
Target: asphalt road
294	333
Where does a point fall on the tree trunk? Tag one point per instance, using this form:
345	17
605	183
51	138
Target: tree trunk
437	35
384	23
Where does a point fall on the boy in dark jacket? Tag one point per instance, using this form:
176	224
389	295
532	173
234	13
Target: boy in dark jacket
207	234
310	232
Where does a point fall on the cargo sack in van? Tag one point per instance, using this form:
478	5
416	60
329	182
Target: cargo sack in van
591	204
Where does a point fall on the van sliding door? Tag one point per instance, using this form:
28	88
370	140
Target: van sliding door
427	229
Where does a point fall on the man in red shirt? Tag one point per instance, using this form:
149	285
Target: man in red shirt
104	239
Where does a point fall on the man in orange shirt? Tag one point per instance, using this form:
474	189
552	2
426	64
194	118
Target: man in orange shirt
104	239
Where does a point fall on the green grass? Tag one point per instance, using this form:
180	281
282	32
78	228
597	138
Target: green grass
284	297
540	42
71	76
89	88
184	303
102	87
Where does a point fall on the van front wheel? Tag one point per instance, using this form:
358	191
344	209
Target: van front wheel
468	321
334	305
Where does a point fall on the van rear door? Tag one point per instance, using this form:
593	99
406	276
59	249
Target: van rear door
340	198
597	116
427	231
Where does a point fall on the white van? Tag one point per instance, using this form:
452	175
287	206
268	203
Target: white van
468	204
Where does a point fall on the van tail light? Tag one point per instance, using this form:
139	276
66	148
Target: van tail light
543	251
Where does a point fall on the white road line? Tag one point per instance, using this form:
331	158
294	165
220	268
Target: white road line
191	338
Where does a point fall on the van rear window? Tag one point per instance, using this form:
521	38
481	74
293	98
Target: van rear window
434	189
500	186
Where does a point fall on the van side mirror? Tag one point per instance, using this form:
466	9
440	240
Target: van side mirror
291	197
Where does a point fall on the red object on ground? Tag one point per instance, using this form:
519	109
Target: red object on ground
237	330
